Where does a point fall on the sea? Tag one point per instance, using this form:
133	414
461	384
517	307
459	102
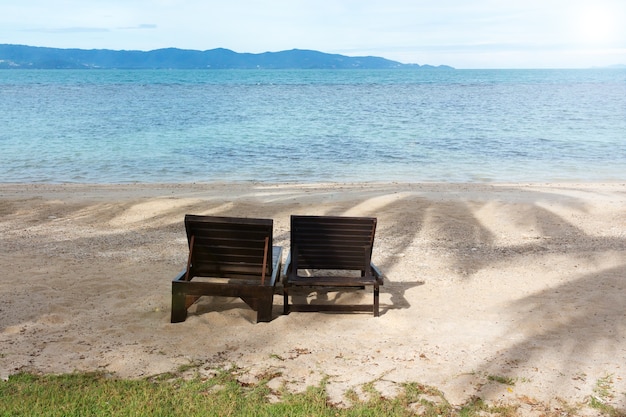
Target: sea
293	126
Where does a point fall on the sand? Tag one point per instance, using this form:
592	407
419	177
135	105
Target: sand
520	281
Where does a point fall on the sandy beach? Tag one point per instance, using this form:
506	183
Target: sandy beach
482	282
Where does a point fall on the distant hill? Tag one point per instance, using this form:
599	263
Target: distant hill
27	57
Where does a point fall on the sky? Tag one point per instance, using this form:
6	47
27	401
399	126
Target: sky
459	33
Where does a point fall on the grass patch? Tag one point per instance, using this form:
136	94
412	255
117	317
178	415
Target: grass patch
501	379
602	395
100	394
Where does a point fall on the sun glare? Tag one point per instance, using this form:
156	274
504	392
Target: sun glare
596	24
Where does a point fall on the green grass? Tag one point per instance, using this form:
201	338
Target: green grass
99	394
501	379
603	394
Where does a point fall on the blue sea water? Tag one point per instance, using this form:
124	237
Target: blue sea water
118	126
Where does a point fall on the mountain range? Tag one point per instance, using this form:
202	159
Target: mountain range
32	57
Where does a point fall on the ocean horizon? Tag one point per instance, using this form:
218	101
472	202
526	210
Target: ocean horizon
172	126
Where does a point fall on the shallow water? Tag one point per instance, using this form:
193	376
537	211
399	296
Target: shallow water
111	126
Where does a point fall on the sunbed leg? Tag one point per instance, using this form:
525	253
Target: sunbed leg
376	296
179	310
264	313
285	301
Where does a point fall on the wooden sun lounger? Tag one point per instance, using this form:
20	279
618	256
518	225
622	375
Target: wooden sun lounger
331	248
229	257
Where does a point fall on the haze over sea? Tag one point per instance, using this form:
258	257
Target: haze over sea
153	126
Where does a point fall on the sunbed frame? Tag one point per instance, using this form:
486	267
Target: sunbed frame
229	257
330	249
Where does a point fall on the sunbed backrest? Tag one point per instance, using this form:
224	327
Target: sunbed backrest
226	247
329	242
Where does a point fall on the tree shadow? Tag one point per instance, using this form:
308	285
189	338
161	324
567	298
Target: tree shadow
581	321
458	230
574	319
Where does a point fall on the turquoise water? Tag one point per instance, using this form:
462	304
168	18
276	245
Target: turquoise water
116	126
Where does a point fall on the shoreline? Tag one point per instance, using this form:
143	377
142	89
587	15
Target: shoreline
523	281
157	189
